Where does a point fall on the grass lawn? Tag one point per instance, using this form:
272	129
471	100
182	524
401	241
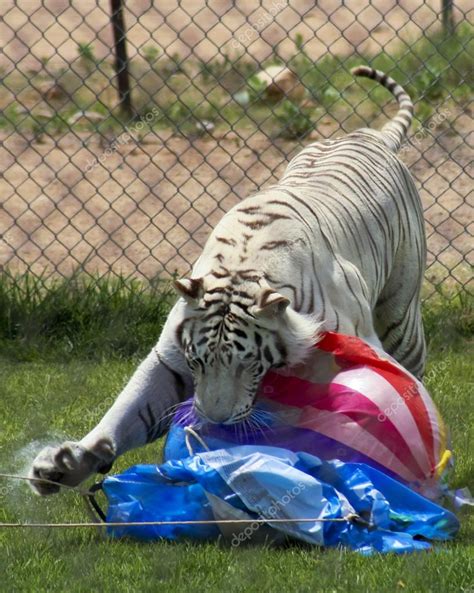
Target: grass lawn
47	398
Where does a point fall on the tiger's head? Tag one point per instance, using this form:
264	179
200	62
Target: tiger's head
231	335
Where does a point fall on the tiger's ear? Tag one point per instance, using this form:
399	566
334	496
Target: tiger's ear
191	289
270	304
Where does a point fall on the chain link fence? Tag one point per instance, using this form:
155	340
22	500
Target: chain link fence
128	128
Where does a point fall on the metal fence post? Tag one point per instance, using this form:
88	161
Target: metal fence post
121	58
448	19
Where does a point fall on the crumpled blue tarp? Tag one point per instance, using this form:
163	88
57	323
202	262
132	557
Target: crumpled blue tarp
250	482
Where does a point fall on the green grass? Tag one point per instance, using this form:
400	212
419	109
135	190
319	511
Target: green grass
116	316
47	398
80	316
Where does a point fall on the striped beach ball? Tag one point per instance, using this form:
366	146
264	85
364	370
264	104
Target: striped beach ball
353	402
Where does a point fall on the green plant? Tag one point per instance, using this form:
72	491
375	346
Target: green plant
229	74
429	83
423	112
215	69
206	111
299	41
179	116
171	66
86	55
295	121
310	72
256	87
151	53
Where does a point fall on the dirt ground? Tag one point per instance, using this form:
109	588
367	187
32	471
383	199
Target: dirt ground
149	207
31	30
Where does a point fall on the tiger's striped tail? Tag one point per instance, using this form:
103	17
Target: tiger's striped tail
395	131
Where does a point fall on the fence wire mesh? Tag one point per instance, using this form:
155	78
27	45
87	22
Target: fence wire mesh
124	141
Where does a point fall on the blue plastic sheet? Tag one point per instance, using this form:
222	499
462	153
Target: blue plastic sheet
274	483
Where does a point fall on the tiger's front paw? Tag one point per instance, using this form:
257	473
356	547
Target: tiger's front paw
69	464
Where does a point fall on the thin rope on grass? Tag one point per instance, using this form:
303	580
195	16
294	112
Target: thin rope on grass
87	494
46	481
348	518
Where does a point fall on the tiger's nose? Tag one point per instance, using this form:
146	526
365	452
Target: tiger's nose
213	415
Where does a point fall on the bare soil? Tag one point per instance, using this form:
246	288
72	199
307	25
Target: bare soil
148	207
31	30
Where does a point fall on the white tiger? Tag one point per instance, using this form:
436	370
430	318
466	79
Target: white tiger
338	244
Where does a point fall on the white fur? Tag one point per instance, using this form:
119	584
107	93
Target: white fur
300	333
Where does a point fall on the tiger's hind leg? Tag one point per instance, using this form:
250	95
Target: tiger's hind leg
399	325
